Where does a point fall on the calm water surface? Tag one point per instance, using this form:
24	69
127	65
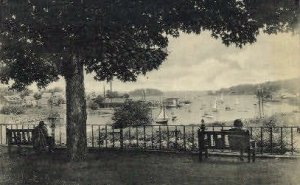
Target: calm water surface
241	106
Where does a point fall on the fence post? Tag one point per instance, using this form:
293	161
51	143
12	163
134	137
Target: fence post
30	137
200	145
152	137
193	138
159	137
137	136
1	134
6	135
121	138
176	137
113	137
251	132
281	140
261	140
60	135
168	138
105	136
184	142
213	129
271	139
292	140
129	135
92	136
99	136
144	136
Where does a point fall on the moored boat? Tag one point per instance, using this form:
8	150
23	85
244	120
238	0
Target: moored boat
162	117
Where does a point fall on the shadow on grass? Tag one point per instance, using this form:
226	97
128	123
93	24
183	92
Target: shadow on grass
115	167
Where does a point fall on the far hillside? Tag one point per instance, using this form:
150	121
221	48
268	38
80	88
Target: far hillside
146	92
275	87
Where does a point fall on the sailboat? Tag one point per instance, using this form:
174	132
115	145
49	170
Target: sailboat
206	115
237	101
215	108
221	100
174	117
162	117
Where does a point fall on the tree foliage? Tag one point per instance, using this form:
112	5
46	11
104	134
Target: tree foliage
112	94
25	92
132	113
42	40
37	96
54	90
12	109
121	38
111	38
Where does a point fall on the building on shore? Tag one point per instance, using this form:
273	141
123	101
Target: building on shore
113	102
171	102
11	100
29	101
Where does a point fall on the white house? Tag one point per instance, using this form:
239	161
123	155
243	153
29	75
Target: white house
11	100
44	101
29	101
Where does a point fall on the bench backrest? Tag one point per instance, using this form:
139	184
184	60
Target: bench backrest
225	139
19	136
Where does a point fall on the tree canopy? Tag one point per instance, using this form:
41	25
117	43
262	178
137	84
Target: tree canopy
121	38
132	114
112	37
43	40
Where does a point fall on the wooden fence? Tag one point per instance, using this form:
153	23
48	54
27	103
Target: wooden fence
270	140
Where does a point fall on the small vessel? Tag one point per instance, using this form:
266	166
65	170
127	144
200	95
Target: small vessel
215	108
186	102
206	115
221	100
237	102
162	117
227	108
172	103
296	111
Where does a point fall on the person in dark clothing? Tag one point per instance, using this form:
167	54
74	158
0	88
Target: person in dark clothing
237	142
41	139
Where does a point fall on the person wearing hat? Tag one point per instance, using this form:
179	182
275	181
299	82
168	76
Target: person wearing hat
41	139
236	142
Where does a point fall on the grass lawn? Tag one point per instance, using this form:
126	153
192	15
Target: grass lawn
144	168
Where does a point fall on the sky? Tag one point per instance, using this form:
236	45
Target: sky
200	62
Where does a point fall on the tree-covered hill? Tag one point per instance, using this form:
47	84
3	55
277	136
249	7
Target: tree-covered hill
146	92
290	85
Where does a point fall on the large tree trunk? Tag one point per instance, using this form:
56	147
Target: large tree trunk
76	110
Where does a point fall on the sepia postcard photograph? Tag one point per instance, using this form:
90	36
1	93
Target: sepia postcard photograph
149	92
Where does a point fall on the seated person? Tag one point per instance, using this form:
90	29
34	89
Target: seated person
41	140
238	142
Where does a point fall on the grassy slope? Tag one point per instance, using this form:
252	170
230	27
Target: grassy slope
140	168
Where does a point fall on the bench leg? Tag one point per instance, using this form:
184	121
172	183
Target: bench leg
200	155
253	155
9	149
249	155
206	153
51	144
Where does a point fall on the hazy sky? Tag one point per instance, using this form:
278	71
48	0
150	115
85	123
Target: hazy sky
199	62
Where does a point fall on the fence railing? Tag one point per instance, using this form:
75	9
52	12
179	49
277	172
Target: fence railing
270	140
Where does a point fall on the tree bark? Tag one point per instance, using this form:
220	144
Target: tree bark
76	110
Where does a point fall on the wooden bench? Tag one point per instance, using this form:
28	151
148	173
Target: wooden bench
20	137
226	140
